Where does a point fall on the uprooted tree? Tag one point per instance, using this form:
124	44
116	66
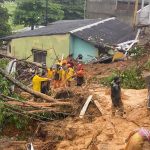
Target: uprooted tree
25	88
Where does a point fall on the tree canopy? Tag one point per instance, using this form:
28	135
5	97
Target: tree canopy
73	9
4	26
33	12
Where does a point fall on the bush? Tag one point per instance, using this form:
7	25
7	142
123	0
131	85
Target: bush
9	118
131	78
137	52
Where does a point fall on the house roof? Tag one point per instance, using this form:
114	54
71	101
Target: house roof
110	31
58	27
96	31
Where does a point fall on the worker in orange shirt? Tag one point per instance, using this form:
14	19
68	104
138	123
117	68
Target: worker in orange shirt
80	75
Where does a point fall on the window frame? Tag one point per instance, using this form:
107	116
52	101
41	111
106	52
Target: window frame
39	56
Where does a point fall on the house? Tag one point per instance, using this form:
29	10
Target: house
122	9
61	38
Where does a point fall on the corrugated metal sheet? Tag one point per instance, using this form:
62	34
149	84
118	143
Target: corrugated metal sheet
59	27
109	32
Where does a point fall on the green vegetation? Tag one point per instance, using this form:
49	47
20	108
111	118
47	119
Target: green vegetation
4	26
33	12
4	84
73	9
11	7
6	116
131	78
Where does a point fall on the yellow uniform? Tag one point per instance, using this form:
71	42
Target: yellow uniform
50	73
70	74
62	74
36	81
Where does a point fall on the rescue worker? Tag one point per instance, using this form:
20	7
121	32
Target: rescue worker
79	58
69	75
116	97
37	83
136	139
45	85
70	63
63	74
50	73
80	75
57	76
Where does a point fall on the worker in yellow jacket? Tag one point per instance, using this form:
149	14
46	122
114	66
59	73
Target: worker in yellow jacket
69	75
36	82
50	73
63	75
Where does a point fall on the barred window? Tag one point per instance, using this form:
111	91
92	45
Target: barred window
39	56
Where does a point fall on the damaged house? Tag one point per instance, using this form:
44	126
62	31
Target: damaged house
62	38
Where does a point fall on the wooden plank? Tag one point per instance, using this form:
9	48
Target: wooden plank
99	106
85	106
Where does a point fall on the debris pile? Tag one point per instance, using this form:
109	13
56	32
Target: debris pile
77	118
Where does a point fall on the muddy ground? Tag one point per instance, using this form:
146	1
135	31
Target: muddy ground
98	130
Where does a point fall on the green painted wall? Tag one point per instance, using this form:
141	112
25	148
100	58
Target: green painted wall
21	47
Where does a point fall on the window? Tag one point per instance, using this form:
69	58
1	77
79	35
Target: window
39	56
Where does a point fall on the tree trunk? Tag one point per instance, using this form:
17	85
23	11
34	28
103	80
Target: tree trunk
25	88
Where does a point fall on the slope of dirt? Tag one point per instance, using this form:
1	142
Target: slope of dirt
106	132
95	132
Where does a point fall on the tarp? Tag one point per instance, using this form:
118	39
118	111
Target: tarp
11	69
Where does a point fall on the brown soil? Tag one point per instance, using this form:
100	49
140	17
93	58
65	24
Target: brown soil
96	131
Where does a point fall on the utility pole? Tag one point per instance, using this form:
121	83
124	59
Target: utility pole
46	12
135	12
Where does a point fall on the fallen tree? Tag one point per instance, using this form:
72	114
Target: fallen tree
25	88
23	60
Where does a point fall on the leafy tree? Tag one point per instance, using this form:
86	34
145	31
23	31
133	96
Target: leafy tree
73	9
4	26
32	12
